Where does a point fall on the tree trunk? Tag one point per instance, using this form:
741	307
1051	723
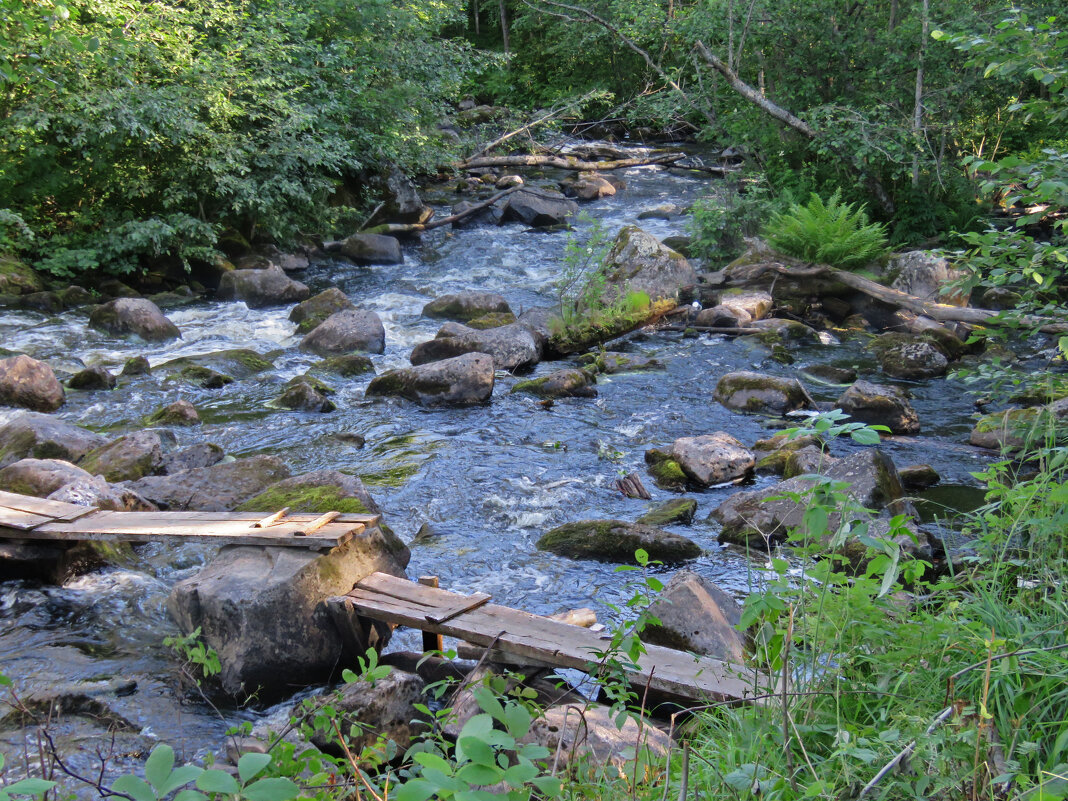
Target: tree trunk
474	11
917	112
568	162
504	26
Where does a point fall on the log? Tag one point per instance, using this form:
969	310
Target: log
569	163
632	487
412	228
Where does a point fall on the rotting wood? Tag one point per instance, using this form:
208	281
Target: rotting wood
270	520
532	124
532	637
56	510
414	228
469	603
714	329
571	163
320	522
632	487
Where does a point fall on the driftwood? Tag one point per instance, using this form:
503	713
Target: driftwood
556	112
411	228
631	486
569	163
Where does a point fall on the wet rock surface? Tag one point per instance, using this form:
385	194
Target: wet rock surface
30	384
462	380
345	332
616	540
881	405
513	347
746	391
42	436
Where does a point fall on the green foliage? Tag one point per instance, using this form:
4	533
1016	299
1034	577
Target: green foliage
201	661
720	222
15	235
830	232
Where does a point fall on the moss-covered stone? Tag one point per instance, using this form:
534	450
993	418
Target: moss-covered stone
760	394
17	278
616	540
346	366
567	383
677	510
774	452
1013	429
666	472
611	362
310	500
136	365
492	320
214	370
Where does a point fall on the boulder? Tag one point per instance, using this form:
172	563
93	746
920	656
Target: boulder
909	357
665	211
773	453
263	609
402	203
616	541
465	306
587	186
136	365
758	518
745	391
610	363
677	510
319	492
372	249
712	458
925	275
492	320
508	181
203	454
567	383
462	380
539	321
138	316
776	329
215	369
44	302
513	347
127	458
305	394
666	472
347	331
259	288
39	477
43	437
538	209
918	476
384	708
95	491
92	378
590	735
720	316
346	365
639	262
179	413
802	461
755	303
17	278
219	488
1015	429
309	313
695	615
881	405
829	374
29	383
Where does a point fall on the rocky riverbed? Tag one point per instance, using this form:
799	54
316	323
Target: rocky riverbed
252	394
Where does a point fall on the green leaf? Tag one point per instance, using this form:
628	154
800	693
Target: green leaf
550	786
158	767
135	787
516	720
217	781
250	765
414	790
189	795
477	773
865	436
518	775
428	760
179	777
273	789
476	750
29	786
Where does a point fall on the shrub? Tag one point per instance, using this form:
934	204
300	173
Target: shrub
832	233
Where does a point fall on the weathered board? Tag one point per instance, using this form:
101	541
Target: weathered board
544	641
29	518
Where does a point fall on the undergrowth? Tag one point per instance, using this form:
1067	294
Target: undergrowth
831	232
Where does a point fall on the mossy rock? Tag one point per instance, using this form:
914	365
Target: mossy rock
666	472
213	370
567	383
611	362
319	385
1014	429
757	393
677	510
616	540
307	499
17	278
136	365
492	320
346	366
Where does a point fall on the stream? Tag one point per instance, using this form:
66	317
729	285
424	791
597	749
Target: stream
489	480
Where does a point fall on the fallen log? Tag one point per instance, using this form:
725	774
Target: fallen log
569	162
412	228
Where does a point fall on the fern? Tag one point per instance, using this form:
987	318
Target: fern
832	233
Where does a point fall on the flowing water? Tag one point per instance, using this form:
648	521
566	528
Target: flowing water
489	480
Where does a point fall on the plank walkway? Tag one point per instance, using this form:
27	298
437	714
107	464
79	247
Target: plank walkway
533	639
27	518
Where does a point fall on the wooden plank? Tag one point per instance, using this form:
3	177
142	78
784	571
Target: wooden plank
528	636
270	520
57	510
466	605
432	643
22	520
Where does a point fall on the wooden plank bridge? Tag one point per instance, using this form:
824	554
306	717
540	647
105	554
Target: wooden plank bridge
529	639
24	517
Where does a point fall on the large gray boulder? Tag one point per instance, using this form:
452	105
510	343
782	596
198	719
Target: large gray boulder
95	491
259	288
92	378
30	384
744	391
345	332
696	615
925	274
909	357
588	186
263	609
466	306
459	381
513	346
402	202
203	454
138	316
538	209
39	477
880	405
616	541
41	436
309	313
127	458
639	262
712	458
372	249
219	488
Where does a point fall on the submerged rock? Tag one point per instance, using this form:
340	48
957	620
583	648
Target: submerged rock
219	488
127	458
40	477
138	316
745	391
136	365
567	383
346	366
616	541
697	616
712	458
30	384
513	347
259	288
881	405
216	369
347	331
639	262
319	492
610	362
462	380
41	436
92	378
179	413
263	609
465	306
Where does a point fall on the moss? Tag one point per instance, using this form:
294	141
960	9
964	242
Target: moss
668	474
492	320
615	540
677	510
311	322
396	476
205	376
314	382
17	278
345	366
311	500
395	382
